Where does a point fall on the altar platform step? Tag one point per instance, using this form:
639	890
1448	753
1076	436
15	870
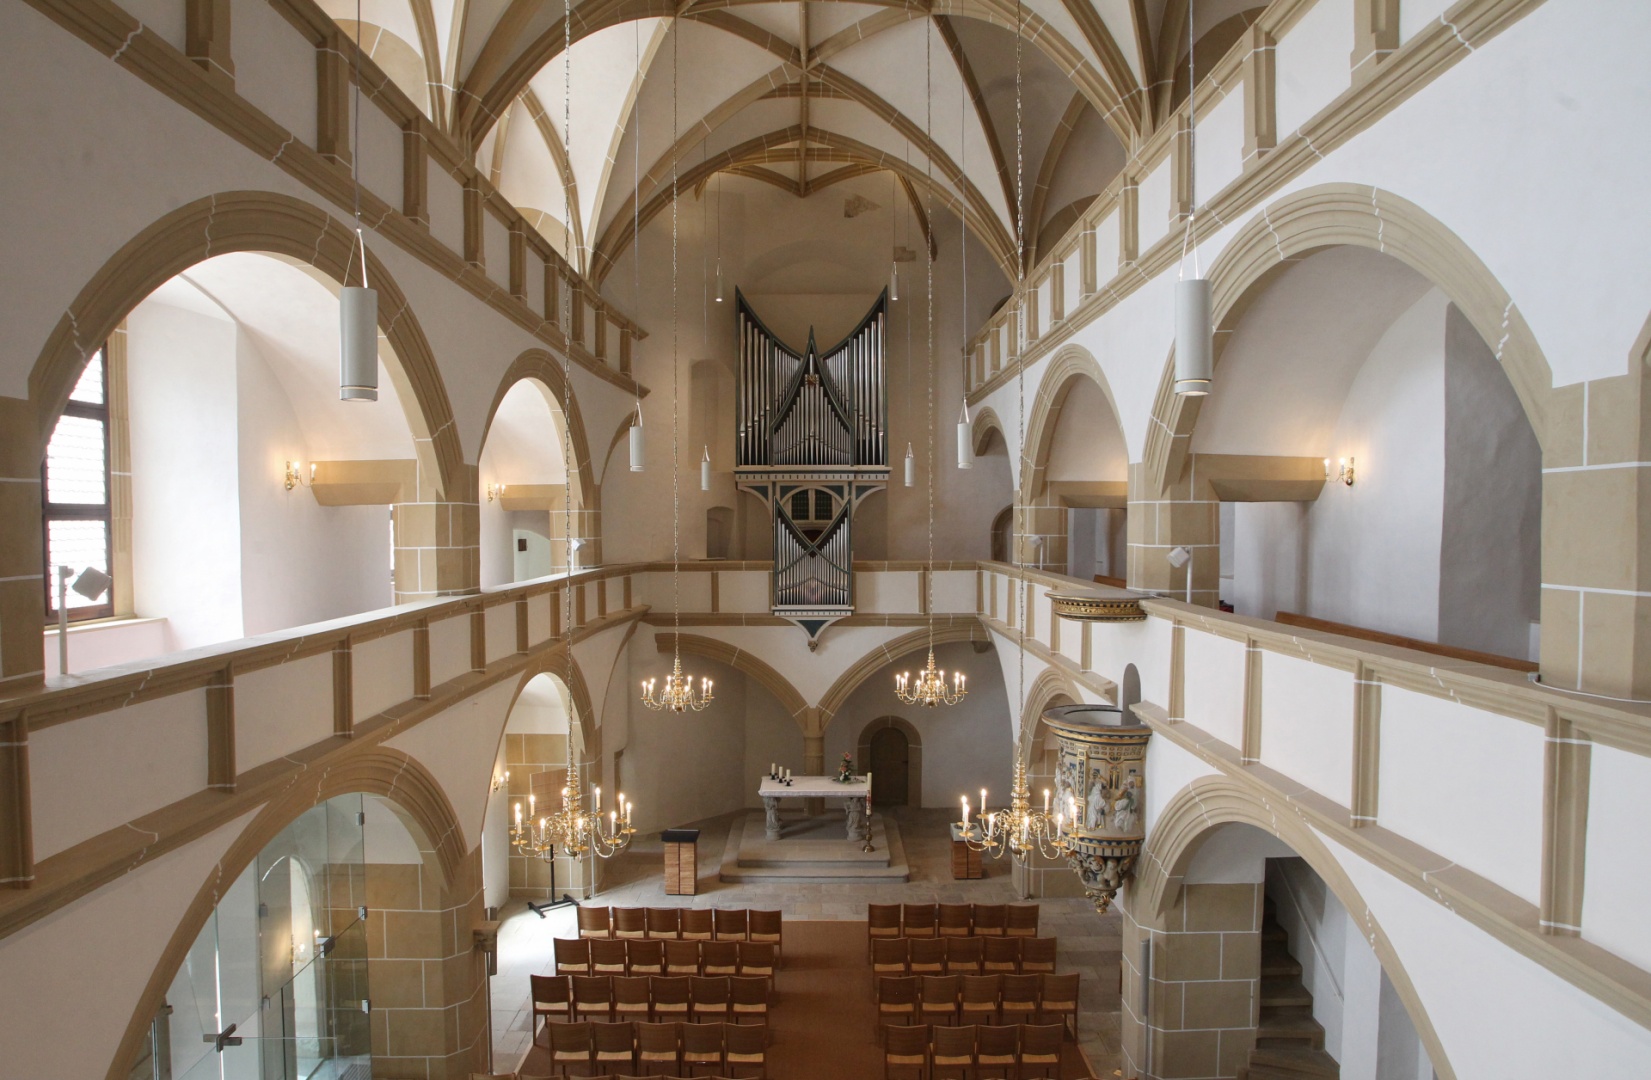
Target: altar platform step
814	850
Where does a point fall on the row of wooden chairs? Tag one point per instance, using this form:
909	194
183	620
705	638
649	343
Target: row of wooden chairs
597	1076
982	998
962	956
951	920
648	997
1013	1050
678	1049
631	956
691	924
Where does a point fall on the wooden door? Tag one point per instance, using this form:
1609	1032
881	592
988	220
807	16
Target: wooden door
890	760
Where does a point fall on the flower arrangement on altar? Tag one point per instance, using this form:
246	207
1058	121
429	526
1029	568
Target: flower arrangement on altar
845	771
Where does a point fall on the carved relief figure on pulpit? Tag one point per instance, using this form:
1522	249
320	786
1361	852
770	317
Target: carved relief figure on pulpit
1126	808
1099	800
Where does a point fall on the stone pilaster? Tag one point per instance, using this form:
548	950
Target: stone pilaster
1159	522
22	583
1596	549
1191	987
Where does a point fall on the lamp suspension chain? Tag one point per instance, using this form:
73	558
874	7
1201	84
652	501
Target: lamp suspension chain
678	694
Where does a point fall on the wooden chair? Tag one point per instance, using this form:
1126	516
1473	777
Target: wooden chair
645	957
897	999
630	922
701	1048
663	922
937	996
767	926
708	998
890	956
749	997
963	955
695	924
1022	921
745	1048
729	924
1040	1048
952	1048
917	920
719	957
756	958
633	997
956	920
572	956
595	922
990	919
657	1048
671	996
928	956
593	994
1060	998
570	1045
997	1048
905	1047
1002	956
882	921
1019	998
681	957
607	956
980	997
613	1045
552	998
1037	955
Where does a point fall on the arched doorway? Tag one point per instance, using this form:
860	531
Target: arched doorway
892	750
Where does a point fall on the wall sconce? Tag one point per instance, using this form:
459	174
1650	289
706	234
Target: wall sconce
495	491
296	476
1343	473
499	781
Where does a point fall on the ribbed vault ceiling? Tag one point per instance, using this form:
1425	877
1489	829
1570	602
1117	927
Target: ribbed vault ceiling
580	112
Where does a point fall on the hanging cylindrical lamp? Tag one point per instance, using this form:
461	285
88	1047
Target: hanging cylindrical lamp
1194	337
911	467
636	440
894	281
719	279
358	337
705	471
965	439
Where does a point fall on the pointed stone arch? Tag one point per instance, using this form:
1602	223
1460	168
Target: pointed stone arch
1305	222
1042	515
388	773
1188	819
253	221
747	663
964	629
584	493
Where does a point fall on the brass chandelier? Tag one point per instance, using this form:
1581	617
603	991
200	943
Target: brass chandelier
931	689
677	695
1020	829
573	830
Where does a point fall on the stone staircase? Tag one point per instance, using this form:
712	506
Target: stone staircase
1289	1043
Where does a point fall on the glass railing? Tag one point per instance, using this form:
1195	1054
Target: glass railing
275	986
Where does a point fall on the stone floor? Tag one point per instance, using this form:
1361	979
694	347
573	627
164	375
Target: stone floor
1089	943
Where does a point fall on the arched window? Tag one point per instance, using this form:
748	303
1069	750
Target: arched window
74	486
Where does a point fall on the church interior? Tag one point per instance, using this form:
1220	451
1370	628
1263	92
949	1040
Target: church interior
824	540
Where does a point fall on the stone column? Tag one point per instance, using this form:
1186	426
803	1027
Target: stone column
1190	987
22	583
1159	522
426	979
437	540
1596	547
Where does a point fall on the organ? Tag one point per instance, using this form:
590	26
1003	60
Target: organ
812	443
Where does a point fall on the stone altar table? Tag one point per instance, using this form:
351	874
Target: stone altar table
855	793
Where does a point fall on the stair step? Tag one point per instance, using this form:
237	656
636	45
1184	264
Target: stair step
1276	960
1297	1064
1289	1025
1284	990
